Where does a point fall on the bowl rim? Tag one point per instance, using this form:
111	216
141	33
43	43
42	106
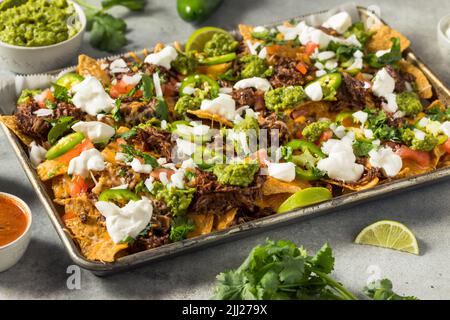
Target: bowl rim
82	17
26	209
444	20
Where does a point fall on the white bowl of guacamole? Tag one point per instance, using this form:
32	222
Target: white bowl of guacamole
39	35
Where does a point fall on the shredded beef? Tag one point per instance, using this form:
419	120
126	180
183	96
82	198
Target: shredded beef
136	112
329	31
211	196
249	97
65	109
153	241
286	74
352	93
399	78
30	124
155	140
271	123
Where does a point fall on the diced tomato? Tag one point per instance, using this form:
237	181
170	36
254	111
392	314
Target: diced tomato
311	47
447	146
43	97
68	216
155	173
301	67
86	144
119	89
422	158
79	186
328	134
121	141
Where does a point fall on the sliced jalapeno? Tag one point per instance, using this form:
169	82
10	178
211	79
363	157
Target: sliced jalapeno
218	59
306	161
119	195
329	83
68	80
202	82
64	144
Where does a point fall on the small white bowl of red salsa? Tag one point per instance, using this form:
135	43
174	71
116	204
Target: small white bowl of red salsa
15	229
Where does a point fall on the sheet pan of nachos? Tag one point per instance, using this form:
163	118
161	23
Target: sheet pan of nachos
150	154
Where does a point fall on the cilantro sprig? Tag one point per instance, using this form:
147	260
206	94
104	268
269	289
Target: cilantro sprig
107	32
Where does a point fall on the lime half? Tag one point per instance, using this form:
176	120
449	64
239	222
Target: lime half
200	36
305	197
389	234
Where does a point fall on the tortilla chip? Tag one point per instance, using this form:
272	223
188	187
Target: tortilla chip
92	237
436	103
275	186
90	66
438	153
203	223
110	151
246	31
11	123
202	114
50	169
273	201
381	40
354	186
224	221
411	168
61	186
423	86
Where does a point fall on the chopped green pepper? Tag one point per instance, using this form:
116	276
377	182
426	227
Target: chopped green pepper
68	80
218	59
64	144
305	162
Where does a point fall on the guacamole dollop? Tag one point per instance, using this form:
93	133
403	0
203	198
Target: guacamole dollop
177	200
427	144
409	103
220	44
236	174
36	23
313	131
284	98
254	66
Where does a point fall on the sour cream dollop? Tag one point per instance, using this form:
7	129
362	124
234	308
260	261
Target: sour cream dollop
91	97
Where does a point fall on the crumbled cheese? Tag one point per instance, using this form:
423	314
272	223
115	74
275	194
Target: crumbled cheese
43	112
282	171
185	147
189	90
161	161
423	122
37	154
445	128
419	134
163	178
139	167
120	156
357	64
90	97
188	164
91	159
331	64
391	105
162	58
226	90
340	163
121	187
368	133
383	83
259	29
224	105
255	82
148	183
132	80
163	124
314	91
252	47
320	73
119	66
339	131
319	65
339	22
127	221
387	160
381	53
177	179
95	131
361	116
376	142
263	53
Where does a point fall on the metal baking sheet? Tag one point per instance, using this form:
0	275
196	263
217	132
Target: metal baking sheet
242	230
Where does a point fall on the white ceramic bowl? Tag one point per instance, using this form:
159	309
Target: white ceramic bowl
11	253
29	60
443	41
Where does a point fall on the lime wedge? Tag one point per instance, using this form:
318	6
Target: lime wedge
200	36
389	234
305	197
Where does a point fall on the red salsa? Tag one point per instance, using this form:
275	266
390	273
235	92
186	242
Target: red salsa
13	220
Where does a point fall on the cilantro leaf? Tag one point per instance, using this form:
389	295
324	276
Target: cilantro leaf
60	93
324	260
132	152
382	290
162	110
392	57
181	226
108	32
362	148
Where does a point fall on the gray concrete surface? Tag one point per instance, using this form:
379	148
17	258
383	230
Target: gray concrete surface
41	274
